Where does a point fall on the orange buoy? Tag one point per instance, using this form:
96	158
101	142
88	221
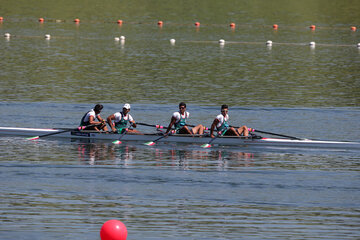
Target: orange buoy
41	19
353	28
197	24
232	25
275	26
76	20
113	230
160	23
120	22
312	27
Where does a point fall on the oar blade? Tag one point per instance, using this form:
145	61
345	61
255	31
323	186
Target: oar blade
118	142
33	138
206	145
150	143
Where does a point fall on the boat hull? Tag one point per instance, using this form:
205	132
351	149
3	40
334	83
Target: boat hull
226	140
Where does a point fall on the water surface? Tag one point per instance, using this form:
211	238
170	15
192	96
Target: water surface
63	189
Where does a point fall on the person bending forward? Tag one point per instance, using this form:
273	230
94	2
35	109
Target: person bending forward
88	120
120	120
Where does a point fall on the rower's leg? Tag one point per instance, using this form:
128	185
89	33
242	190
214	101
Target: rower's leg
243	131
231	132
105	128
199	129
184	130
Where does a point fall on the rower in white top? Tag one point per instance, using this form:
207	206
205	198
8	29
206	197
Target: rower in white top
222	126
90	119
119	121
178	120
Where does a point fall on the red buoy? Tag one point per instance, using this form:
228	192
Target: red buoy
197	24
120	22
113	230
275	26
232	25
76	20
1	19
160	23
353	29
312	27
41	20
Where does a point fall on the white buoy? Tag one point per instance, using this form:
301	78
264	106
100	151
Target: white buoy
117	39
312	44
7	35
358	45
172	41
269	43
222	41
47	36
122	38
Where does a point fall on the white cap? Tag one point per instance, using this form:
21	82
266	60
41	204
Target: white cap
127	106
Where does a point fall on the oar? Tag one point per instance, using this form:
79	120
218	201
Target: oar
152	143
275	134
68	130
151	125
123	134
208	145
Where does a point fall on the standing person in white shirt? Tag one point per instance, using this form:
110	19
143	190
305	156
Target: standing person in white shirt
121	120
222	126
90	117
178	120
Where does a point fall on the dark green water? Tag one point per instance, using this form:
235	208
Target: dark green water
55	189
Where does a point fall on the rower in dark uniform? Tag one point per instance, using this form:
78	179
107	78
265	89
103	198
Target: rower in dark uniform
88	120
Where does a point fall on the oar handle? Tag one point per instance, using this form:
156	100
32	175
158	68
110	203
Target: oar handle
151	125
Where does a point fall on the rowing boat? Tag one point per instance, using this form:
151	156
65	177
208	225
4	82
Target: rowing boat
183	138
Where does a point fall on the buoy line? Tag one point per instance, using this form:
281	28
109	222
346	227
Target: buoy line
270	43
197	24
221	42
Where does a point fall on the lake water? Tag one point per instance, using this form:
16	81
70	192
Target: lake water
63	189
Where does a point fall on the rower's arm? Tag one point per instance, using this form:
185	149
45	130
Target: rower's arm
100	118
111	124
213	125
92	121
133	124
172	122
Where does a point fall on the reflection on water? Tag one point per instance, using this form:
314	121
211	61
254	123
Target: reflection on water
218	193
133	155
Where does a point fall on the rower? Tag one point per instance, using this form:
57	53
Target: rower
89	119
178	120
222	126
119	121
